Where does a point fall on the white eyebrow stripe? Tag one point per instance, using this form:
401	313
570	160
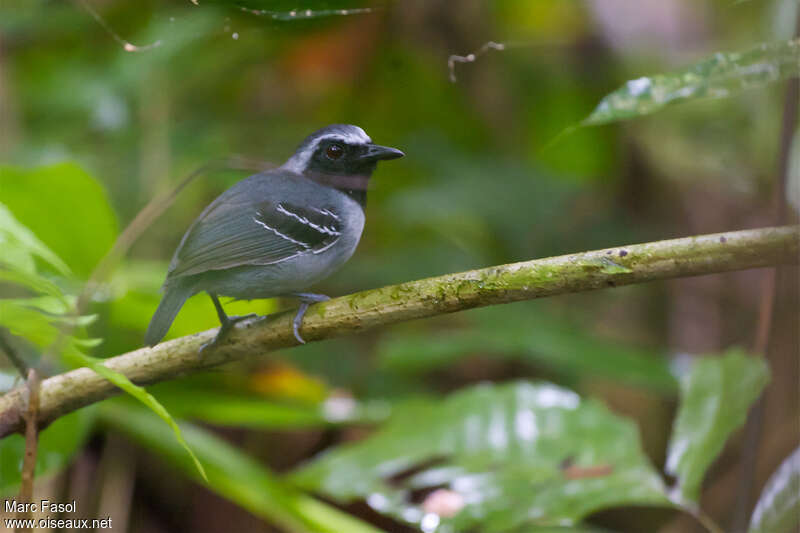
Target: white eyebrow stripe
356	137
303	220
279	234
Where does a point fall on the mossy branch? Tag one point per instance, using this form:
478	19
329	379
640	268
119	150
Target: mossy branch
624	265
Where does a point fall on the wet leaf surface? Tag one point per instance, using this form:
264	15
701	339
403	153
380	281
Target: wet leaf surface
511	455
716	394
721	75
778	508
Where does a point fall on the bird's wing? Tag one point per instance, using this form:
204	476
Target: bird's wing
235	231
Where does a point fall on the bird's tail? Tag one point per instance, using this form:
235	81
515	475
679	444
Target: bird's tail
174	297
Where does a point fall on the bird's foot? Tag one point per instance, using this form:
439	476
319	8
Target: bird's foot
306	299
224	329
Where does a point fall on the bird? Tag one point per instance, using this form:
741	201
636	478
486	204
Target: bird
276	233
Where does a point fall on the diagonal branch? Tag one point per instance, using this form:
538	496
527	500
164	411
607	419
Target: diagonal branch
626	265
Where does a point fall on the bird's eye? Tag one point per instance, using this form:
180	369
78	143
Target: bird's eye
334	151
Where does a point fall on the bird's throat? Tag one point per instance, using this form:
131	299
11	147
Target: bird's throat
354	186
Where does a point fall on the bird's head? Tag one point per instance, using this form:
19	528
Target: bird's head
340	156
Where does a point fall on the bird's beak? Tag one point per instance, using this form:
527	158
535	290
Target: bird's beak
375	152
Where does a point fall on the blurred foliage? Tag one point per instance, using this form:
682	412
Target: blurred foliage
47	320
241	404
58	444
121	381
778	508
720	76
35	308
716	394
527	334
133	293
90	132
71	213
516	454
233	474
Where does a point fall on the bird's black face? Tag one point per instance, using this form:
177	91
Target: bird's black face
342	157
336	156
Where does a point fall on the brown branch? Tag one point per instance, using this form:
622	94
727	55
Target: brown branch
689	256
31	444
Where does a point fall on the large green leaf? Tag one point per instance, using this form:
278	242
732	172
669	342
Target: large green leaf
233	475
513	455
778	508
532	334
58	443
65	208
716	394
721	75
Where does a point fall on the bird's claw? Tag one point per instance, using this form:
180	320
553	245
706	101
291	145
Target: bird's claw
298	321
306	299
224	328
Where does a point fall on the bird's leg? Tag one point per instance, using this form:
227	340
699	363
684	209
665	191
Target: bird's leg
306	299
226	322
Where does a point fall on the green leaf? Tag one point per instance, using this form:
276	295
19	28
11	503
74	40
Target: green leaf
234	475
721	75
28	323
716	394
20	243
23	318
47	304
121	381
65	208
58	443
513	455
778	508
34	282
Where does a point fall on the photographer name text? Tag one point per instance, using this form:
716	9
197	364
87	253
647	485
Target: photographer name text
49	506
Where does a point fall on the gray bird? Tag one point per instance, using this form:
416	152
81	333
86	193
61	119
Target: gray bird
278	232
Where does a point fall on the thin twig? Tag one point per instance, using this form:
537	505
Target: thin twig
31	443
492	45
689	256
470	58
126	45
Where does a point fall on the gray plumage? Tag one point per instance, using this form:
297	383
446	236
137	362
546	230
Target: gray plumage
278	232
